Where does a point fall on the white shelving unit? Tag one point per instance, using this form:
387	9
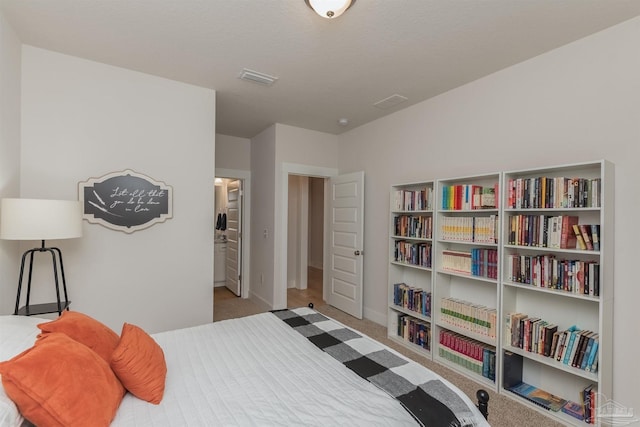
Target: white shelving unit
466	270
531	285
410	254
489	262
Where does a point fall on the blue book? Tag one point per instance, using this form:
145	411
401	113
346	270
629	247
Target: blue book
592	356
572	338
587	352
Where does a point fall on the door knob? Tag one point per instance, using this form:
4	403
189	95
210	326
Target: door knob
357	253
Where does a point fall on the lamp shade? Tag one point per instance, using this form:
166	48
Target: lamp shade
40	219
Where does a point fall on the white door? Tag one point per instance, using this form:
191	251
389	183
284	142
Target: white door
234	237
346	230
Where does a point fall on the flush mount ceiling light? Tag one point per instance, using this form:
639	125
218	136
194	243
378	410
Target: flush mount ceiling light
329	8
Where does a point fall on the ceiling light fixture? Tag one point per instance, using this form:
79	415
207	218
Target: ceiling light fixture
329	9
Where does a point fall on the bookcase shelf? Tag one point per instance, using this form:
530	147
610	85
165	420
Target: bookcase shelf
411	224
466	280
552	259
490	280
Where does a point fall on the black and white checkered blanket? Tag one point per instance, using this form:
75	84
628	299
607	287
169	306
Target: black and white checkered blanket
431	401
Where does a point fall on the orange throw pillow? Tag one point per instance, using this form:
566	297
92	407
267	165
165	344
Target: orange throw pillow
86	330
60	382
139	363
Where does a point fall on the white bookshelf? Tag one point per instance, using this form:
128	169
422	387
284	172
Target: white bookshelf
537	295
410	243
465	287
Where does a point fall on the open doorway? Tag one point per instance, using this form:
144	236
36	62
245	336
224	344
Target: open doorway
305	240
231	223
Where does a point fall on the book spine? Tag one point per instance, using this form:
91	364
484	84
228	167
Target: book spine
579	238
585	230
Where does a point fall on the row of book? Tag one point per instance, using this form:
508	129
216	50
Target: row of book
559	192
413	253
479	262
475	318
557	232
469	196
470	229
584	410
413	200
472	355
413	226
546	271
572	347
415	331
412	298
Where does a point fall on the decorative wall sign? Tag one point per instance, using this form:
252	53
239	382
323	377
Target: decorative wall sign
126	201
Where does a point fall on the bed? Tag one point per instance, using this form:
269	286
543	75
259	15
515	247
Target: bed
290	367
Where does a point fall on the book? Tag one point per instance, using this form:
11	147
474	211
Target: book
554	344
549	337
512	369
584	341
579	239
566	353
562	340
595	236
592	340
593	356
568	238
538	396
585	230
574	409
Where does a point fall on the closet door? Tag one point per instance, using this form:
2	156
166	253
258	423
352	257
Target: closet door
234	237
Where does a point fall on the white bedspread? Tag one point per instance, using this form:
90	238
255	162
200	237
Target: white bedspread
252	371
239	378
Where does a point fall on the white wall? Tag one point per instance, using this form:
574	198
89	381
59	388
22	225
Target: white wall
263	171
275	152
298	152
576	103
316	222
82	119
10	69
233	152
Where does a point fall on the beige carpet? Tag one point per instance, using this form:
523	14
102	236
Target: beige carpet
503	412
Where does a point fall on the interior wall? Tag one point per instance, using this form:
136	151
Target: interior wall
233	152
10	70
316	222
576	103
263	256
82	119
297	231
299	152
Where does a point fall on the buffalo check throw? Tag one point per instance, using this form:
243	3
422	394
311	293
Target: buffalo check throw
420	391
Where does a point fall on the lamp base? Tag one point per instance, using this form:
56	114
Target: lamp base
53	307
49	307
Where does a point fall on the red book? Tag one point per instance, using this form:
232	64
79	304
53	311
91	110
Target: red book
568	238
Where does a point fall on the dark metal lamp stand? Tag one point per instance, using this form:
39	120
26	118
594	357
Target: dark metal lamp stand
59	306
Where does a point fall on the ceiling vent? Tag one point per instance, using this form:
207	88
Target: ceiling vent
257	77
391	101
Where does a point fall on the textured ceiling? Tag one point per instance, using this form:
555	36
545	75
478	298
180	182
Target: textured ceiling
326	69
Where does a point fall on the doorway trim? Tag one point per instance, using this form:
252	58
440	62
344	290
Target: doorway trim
246	223
280	273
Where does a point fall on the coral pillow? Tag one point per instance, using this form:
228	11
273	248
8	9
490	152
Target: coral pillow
139	363
60	382
86	330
